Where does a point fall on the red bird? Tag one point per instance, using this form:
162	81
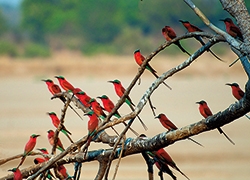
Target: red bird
59	146
193	28
109	106
96	107
92	126
55	89
236	90
232	29
56	121
83	98
45	152
17	174
170	126
205	112
169	35
165	158
28	147
119	89
139	58
65	84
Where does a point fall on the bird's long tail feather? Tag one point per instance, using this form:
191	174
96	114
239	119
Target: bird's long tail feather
69	138
136	133
181	172
181	48
75	112
209	50
222	132
162	82
195	142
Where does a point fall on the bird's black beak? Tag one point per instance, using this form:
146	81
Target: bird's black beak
156	117
228	84
222	20
111	81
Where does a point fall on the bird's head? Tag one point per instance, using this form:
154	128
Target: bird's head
42	149
50	131
34	135
47	80
233	84
103	97
183	21
201	102
136	51
159	116
116	81
13	169
226	20
51	113
60	77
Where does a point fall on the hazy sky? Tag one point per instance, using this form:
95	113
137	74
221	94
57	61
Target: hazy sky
12	2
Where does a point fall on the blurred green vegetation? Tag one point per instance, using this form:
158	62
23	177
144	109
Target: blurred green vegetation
100	26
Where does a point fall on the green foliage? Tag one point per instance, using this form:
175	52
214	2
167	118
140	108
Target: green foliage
3	27
36	50
8	48
117	25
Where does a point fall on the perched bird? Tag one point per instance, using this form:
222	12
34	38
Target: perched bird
139	58
55	89
17	173
170	126
232	29
92	126
83	98
96	107
169	35
56	121
205	112
120	90
165	158
28	147
65	84
45	152
193	28
59	145
109	106
236	90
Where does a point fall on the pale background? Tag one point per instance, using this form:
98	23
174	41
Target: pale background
25	101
